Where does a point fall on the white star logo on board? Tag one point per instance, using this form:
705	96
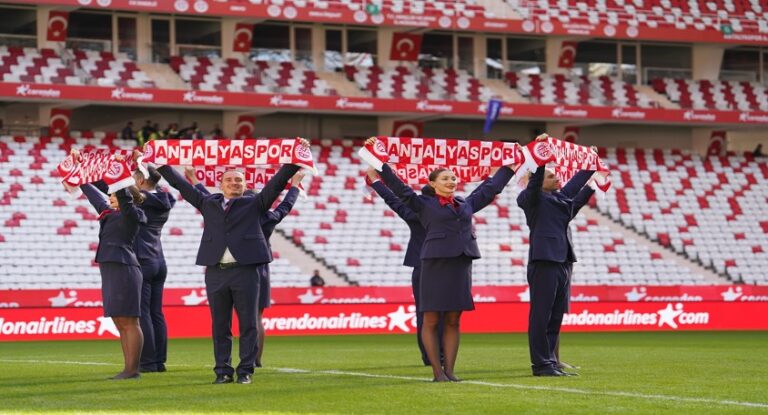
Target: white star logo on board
636	294
106	325
62	300
22	90
309	297
193	298
525	296
732	294
400	318
669	314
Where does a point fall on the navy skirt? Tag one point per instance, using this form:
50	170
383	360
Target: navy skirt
446	284
121	289
264	299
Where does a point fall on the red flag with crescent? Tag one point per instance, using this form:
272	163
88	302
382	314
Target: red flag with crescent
567	55
243	37
716	144
571	134
407	129
58	22
405	47
58	125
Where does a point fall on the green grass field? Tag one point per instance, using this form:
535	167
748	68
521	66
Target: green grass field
627	373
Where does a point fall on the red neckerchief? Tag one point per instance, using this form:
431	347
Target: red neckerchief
447	201
106	212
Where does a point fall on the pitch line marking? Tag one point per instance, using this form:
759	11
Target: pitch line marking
467	382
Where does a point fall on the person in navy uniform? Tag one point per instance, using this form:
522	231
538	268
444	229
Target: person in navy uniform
268	223
449	248
231	248
548	211
412	253
119	222
149	250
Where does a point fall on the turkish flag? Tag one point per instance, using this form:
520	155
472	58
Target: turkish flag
245	127
59	123
407	129
567	55
716	144
571	134
58	22
405	47
243	37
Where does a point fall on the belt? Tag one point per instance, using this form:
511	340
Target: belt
227	265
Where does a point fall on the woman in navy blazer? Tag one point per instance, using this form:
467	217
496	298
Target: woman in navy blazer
119	221
449	248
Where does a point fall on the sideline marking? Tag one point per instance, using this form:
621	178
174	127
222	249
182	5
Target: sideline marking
286	370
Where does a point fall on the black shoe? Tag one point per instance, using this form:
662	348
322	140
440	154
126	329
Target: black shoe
222	379
258	363
549	372
161	368
148	369
244	379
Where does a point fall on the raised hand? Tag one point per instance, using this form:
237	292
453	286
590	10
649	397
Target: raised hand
296	179
372	174
189	173
542	137
370	141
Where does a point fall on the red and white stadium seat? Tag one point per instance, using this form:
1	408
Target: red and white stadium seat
217	74
42	66
418	83
715	95
577	90
711	210
107	69
466	8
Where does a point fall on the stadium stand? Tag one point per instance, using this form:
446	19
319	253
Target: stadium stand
466	8
418	83
582	90
42	66
716	95
217	74
707	209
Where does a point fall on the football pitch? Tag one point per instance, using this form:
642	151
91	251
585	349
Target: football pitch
627	373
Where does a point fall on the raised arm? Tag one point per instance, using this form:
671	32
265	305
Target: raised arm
400	189
581	199
202	189
284	208
128	209
487	191
274	186
98	200
577	182
191	194
390	198
529	197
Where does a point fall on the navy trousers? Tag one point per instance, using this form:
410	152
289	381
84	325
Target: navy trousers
236	288
152	321
549	284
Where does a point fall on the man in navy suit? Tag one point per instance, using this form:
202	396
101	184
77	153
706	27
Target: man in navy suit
231	248
269	221
149	250
548	211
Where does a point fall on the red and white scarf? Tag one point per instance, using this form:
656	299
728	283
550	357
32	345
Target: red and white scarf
569	158
238	153
255	177
96	164
440	152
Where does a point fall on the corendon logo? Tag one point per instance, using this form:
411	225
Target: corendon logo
26	90
360	105
638	294
191	96
672	316
279	101
9	305
621	113
70	299
691	115
506	110
316	297
402	319
748	117
193	298
425	105
737	294
561	111
121	94
59	325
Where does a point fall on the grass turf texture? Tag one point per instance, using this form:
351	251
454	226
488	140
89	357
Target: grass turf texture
628	373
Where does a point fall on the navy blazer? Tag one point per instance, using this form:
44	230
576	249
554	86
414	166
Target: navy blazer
413	253
157	206
118	229
449	229
272	217
548	215
239	228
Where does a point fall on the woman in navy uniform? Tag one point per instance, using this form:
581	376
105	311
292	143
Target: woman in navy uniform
119	221
449	248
